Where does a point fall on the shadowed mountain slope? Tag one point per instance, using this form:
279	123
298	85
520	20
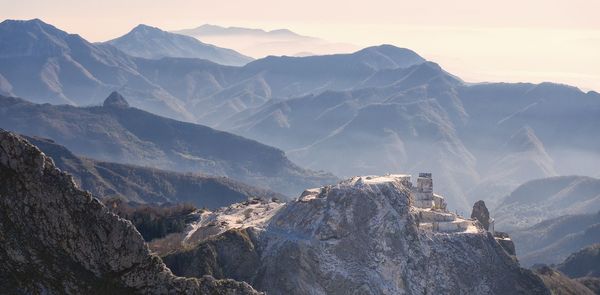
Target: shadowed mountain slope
117	133
148	185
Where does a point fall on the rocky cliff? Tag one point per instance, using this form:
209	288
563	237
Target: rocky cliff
365	235
58	239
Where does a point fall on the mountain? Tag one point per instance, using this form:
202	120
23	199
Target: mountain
46	64
115	132
58	239
584	263
214	92
154	43
148	185
546	198
552	240
369	234
261	43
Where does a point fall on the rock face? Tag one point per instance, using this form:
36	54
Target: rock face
58	239
360	236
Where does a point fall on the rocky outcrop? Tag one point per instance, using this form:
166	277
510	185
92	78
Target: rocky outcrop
481	213
360	236
58	239
115	100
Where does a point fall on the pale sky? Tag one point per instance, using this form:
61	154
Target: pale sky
478	40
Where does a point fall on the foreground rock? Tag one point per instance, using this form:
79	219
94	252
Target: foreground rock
57	239
365	235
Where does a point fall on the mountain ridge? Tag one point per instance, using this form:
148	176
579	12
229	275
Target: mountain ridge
133	136
153	43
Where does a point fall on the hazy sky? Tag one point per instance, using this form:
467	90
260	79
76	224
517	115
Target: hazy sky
478	40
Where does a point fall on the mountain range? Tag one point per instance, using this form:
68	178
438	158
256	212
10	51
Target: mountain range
116	132
153	43
400	112
260	43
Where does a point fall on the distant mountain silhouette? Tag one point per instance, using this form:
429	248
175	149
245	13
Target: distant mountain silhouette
121	134
148	185
260	43
154	43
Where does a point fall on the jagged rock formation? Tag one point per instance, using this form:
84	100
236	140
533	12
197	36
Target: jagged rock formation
58	239
481	213
366	235
148	185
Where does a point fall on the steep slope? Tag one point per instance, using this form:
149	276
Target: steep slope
148	185
46	64
552	240
117	133
368	235
542	199
260	43
563	117
521	159
585	263
58	239
154	43
560	284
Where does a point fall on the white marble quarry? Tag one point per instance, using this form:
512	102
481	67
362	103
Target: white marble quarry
431	209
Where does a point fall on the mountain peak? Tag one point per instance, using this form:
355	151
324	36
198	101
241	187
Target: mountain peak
116	100
142	28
